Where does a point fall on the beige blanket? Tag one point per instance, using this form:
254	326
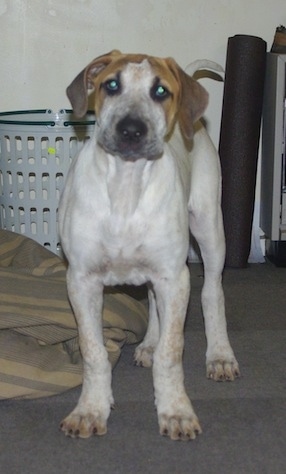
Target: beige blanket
39	351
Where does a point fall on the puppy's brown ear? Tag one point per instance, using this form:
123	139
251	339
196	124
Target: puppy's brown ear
194	100
77	91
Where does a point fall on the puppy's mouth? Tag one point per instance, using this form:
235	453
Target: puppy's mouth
132	152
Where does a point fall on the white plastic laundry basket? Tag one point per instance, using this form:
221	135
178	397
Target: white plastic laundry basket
36	149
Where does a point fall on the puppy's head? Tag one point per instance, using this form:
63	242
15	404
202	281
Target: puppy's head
138	100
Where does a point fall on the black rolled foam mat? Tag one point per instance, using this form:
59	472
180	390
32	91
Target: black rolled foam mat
239	141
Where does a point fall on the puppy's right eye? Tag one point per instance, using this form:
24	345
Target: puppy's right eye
112	86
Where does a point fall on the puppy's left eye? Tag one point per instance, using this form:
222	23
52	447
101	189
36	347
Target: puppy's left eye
159	92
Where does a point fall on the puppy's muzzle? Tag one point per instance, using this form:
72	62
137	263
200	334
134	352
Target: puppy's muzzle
131	136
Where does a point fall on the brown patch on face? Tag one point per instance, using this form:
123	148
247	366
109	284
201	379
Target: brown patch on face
168	78
162	72
111	71
186	102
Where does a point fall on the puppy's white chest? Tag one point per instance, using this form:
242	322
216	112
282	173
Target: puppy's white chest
121	239
121	253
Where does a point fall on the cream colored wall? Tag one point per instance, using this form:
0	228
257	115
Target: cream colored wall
45	43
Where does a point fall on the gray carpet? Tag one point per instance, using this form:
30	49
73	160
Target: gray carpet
243	422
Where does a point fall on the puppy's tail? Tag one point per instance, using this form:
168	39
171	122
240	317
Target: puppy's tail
203	64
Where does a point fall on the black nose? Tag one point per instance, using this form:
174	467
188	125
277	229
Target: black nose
131	129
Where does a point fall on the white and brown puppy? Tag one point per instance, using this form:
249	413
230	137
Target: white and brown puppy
148	174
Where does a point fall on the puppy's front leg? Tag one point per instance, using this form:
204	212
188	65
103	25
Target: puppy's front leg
176	416
90	415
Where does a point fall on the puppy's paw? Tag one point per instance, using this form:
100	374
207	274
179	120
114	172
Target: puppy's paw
179	427
176	415
143	356
222	370
85	425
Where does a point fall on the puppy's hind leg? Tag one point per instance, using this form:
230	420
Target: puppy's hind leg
144	352
207	227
